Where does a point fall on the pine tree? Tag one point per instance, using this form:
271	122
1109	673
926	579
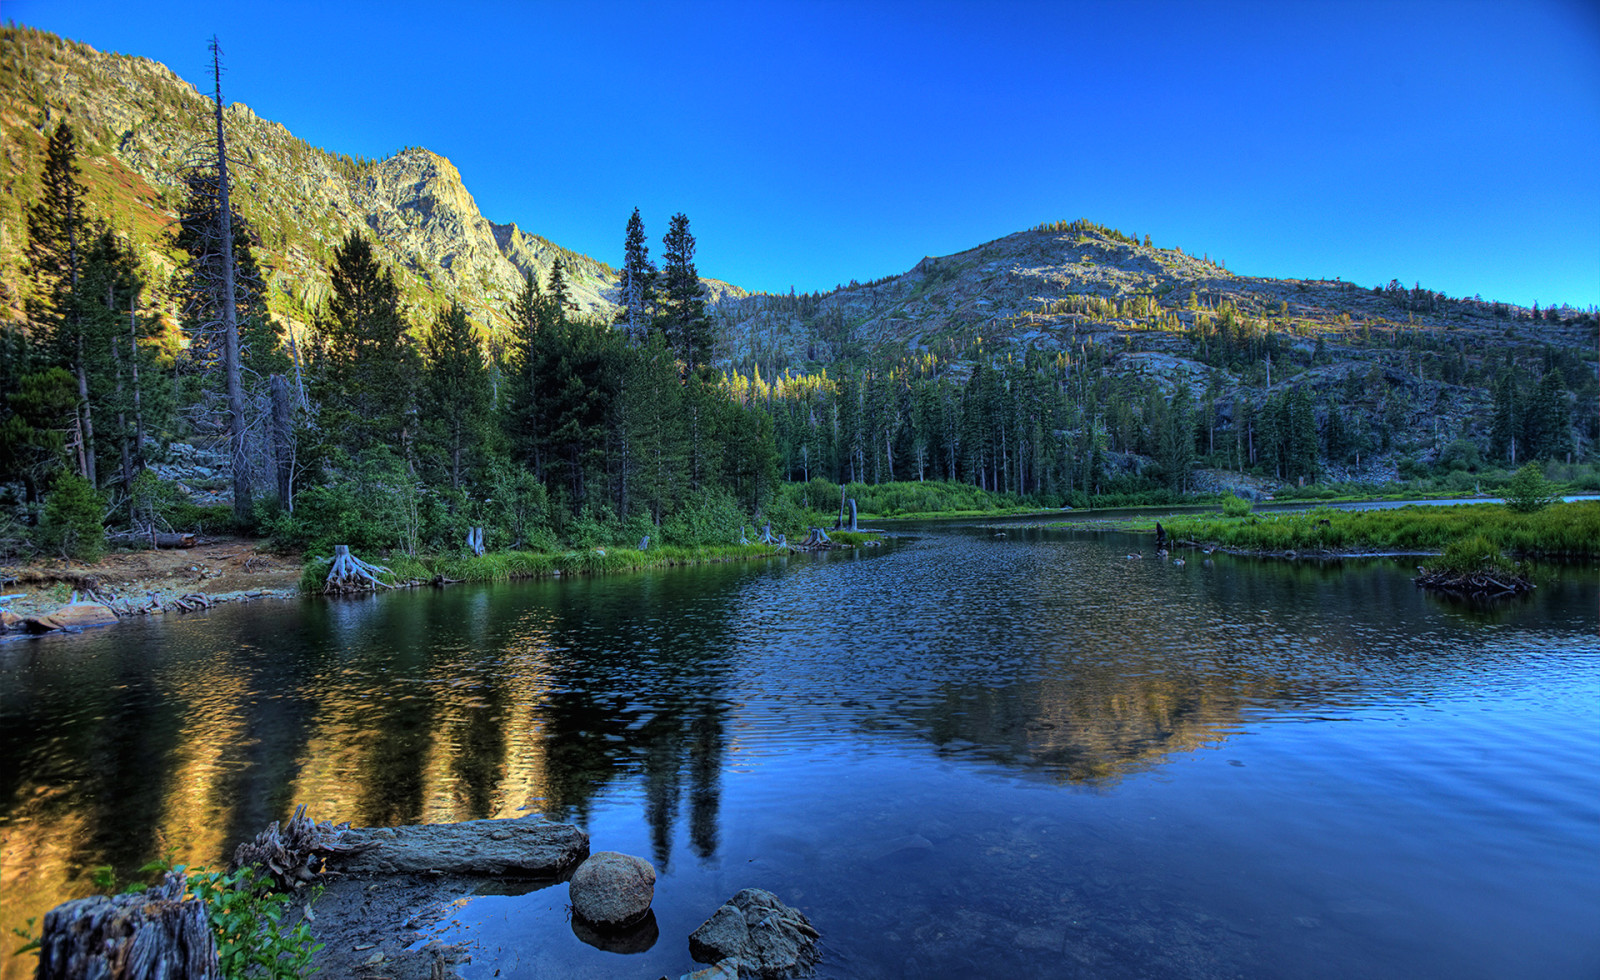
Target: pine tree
652	426
637	282
526	416
455	395
1176	444
1505	432
58	230
366	366
560	295
683	316
1547	423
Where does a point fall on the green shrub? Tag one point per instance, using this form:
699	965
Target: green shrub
247	916
1232	506
1470	555
708	517
1528	491
72	519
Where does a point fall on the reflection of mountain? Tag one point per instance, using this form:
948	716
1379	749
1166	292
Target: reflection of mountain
1044	654
1051	656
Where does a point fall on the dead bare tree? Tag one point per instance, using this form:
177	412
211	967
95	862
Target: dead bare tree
223	289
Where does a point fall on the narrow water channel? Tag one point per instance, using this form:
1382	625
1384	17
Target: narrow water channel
961	755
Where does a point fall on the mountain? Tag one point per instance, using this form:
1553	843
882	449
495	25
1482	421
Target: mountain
1419	367
1422	367
1058	286
139	125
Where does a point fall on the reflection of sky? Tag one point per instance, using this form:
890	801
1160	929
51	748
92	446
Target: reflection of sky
703	716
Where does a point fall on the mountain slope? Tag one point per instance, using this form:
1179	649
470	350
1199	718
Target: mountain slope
139	125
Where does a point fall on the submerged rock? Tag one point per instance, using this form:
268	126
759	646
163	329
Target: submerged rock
766	937
612	890
522	848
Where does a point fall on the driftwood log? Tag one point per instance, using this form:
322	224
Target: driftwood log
150	935
351	574
141	539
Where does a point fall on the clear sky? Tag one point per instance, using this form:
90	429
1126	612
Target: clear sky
1454	143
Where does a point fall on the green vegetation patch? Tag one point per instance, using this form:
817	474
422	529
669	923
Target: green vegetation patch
1560	530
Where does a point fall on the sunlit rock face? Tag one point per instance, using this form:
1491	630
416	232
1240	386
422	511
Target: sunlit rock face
139	126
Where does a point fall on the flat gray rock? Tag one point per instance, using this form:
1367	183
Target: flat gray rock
522	848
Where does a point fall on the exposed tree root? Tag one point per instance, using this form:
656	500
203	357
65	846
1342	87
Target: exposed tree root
293	853
351	574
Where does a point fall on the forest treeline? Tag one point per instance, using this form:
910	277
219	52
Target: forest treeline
388	428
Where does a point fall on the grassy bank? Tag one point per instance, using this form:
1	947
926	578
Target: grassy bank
1562	530
503	566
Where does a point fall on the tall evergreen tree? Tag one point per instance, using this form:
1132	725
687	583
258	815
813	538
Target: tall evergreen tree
652	425
366	365
683	317
637	283
1505	432
455	396
526	419
58	231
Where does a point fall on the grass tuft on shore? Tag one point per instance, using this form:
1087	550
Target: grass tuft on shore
504	566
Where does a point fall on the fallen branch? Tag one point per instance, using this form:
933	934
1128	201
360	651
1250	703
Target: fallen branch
1472	586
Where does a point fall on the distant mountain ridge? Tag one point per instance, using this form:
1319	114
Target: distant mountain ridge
138	123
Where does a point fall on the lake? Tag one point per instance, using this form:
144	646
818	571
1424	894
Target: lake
961	755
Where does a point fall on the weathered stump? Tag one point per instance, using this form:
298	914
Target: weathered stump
152	935
351	574
292	854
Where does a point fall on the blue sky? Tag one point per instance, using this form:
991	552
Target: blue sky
1453	144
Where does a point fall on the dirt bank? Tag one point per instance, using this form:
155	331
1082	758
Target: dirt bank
222	568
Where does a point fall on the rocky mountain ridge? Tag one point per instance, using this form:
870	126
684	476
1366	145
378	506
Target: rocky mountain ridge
139	125
1403	360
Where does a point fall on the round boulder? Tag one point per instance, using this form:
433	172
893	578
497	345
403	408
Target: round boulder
612	890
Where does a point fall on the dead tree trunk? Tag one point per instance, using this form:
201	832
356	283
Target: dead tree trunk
853	526
144	936
475	541
283	442
230	311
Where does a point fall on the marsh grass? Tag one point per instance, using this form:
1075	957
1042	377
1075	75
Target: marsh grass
1569	530
504	566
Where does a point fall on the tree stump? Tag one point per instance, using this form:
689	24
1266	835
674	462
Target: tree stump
153	935
351	574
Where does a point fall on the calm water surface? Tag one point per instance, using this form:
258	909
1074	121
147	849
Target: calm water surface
960	755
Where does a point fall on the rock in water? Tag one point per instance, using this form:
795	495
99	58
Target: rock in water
72	616
611	890
768	938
